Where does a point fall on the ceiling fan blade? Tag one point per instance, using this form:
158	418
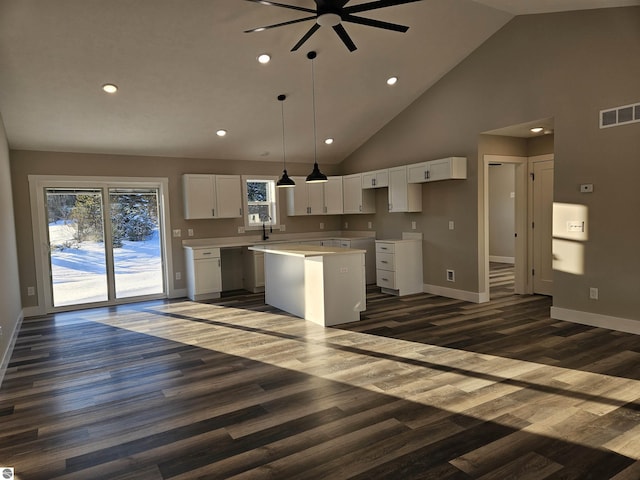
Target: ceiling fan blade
306	36
375	23
260	29
283	5
344	36
363	7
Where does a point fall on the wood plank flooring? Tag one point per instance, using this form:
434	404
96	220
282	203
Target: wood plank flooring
422	387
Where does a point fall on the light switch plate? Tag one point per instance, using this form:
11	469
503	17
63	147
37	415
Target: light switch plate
451	225
177	232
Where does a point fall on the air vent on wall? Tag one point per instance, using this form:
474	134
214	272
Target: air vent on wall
613	117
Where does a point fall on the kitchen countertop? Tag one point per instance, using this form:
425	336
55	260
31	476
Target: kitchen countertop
251	240
297	250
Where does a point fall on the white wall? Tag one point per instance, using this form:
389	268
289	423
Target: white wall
10	305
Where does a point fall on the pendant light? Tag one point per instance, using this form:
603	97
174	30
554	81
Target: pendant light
316	176
285	181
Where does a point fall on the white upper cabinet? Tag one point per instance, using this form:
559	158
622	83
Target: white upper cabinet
333	203
305	198
376	179
357	200
403	196
434	170
212	196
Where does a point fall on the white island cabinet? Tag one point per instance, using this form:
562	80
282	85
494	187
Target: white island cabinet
324	285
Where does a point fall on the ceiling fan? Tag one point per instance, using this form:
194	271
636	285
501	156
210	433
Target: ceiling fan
332	13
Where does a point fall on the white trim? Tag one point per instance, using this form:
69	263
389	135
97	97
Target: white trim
596	320
465	295
10	346
520	259
179	293
499	259
36	311
37	184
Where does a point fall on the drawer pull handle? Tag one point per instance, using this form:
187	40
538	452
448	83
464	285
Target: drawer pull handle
385	279
383	261
206	253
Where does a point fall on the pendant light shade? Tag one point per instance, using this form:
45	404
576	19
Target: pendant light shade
285	180
316	176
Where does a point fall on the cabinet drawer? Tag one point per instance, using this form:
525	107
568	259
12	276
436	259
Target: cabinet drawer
385	261
385	247
386	279
201	253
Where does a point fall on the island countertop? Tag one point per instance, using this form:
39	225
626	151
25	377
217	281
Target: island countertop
298	250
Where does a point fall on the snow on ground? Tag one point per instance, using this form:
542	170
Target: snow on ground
79	271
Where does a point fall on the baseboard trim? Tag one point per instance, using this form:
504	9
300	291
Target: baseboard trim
12	343
178	293
33	312
499	259
596	320
465	295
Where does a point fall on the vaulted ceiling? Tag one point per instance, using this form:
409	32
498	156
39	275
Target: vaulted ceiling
185	69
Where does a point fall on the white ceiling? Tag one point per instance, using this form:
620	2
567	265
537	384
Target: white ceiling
186	69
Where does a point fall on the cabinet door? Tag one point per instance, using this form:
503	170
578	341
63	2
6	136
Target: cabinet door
229	196
315	198
447	169
297	198
376	179
418	172
398	189
333	196
199	196
352	193
403	196
208	276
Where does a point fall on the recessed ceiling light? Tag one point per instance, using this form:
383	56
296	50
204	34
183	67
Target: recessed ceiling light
328	141
392	80
264	58
110	88
221	133
537	129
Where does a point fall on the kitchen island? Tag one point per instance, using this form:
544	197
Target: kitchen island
324	285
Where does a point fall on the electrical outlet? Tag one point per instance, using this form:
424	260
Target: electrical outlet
369	225
451	225
413	225
190	232
240	229
451	275
321	226
178	275
0	331
593	293
31	291
346	225
177	232
283	227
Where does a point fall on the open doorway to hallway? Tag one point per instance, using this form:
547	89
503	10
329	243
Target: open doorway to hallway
517	206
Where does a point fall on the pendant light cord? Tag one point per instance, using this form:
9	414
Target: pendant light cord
313	99
284	154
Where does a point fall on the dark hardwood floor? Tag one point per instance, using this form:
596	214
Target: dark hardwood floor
422	387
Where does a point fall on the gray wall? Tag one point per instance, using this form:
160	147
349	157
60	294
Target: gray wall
567	66
10	305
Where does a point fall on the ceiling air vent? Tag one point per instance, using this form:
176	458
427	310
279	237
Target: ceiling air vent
620	115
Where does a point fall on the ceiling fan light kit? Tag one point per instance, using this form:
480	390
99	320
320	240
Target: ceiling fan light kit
332	13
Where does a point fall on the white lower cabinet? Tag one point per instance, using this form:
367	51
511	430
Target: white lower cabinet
367	244
399	266
204	273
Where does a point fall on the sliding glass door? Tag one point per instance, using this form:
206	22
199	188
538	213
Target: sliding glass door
104	243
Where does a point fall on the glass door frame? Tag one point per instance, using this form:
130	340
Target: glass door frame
39	216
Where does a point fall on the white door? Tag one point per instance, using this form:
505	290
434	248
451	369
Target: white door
542	227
